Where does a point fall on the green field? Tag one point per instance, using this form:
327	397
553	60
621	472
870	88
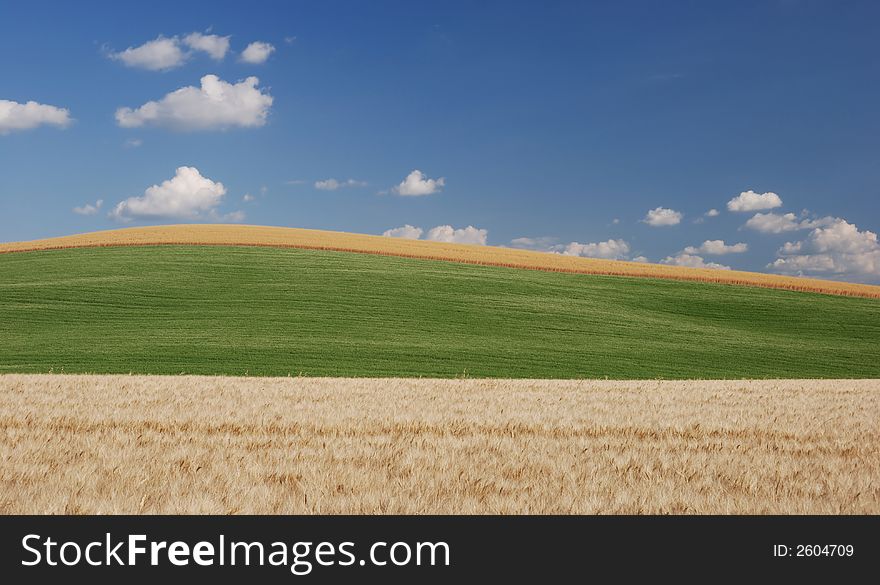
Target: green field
279	312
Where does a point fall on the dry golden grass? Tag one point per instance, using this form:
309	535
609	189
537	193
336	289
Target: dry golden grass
127	444
488	255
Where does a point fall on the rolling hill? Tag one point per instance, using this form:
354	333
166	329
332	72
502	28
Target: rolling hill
278	304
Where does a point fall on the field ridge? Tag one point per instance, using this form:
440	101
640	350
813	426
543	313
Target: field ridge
283	237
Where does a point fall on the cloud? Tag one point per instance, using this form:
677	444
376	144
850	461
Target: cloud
751	201
442	233
838	248
467	235
662	216
416	184
543	244
640	259
215	105
409	232
15	116
717	248
188	195
214	45
88	208
712	213
160	54
609	250
248	198
774	223
333	184
692	261
257	52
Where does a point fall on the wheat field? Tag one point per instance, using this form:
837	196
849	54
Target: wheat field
241	235
130	444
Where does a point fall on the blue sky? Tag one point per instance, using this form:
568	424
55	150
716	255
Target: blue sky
557	125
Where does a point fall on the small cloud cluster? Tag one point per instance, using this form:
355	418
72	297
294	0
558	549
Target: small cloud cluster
417	184
717	248
692	261
88	208
441	233
837	247
215	105
662	216
333	184
751	201
609	250
188	195
16	116
165	53
775	223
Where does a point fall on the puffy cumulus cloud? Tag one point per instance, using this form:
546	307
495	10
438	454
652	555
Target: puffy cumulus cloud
639	259
441	233
333	184
467	235
662	216
214	45
609	250
257	52
717	248
838	248
160	54
775	223
751	201
188	195
712	213
88	208
15	116
215	105
692	261
416	184
407	231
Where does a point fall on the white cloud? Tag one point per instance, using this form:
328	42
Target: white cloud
248	198
160	54
838	248
615	221
662	216
717	248
215	105
467	235
774	223
333	184
416	184
409	232
16	116
640	259
609	250
692	261
542	244
214	45
88	208
712	213
751	201
188	195
257	52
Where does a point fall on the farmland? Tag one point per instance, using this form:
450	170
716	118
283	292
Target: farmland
269	311
280	237
129	444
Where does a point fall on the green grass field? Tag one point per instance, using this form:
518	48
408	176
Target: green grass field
266	311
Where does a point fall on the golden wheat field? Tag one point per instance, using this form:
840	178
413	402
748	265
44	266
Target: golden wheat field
240	235
130	444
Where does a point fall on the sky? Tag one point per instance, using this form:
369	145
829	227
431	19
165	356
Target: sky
740	135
